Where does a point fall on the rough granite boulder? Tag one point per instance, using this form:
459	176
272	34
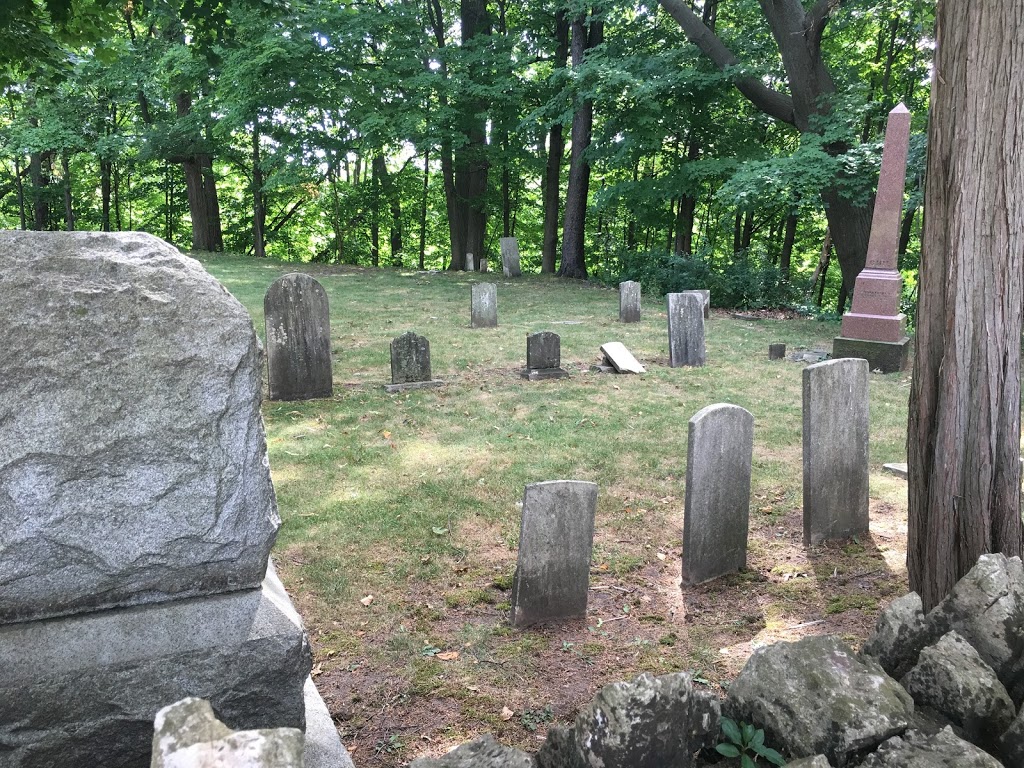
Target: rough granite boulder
818	761
483	752
815	696
1011	744
942	750
188	734
133	468
899	635
986	608
952	679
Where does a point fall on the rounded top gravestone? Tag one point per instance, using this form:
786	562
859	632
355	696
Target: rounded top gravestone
134	466
298	325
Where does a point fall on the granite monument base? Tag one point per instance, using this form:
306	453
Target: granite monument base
83	690
884	356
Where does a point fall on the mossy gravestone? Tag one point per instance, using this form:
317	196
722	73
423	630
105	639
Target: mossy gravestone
410	363
483	306
298	327
685	329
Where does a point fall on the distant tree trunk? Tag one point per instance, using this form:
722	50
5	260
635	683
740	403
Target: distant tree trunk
737	232
787	244
117	196
69	212
556	152
906	228
105	172
963	434
748	230
21	193
375	210
259	210
201	188
423	207
39	175
574	262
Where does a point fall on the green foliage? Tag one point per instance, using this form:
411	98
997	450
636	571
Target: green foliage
744	741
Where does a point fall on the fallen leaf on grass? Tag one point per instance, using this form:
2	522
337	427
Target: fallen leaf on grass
448	656
661	555
506	713
317	670
367	600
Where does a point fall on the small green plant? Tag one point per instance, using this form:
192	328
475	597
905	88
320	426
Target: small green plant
532	719
744	741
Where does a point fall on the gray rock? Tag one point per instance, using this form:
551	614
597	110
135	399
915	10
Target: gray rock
899	635
650	722
951	678
986	608
133	467
818	761
83	690
483	306
323	747
1011	743
189	734
559	750
685	329
556	541
942	750
835	442
814	696
483	752
297	320
629	302
719	452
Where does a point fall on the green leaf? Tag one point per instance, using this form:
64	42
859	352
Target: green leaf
757	742
729	750
747	762
748	733
770	755
731	730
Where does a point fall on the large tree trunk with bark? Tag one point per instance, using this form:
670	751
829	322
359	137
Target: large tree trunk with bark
556	152
259	209
963	435
574	263
201	188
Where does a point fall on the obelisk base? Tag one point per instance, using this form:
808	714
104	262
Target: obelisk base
884	356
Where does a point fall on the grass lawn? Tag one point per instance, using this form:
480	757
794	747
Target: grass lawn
401	511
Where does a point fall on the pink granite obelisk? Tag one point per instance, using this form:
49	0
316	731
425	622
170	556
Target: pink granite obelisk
874	328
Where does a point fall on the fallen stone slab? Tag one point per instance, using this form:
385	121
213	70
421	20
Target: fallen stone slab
896	468
483	752
942	750
620	358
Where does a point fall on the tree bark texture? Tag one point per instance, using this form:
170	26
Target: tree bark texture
259	210
201	188
556	152
964	424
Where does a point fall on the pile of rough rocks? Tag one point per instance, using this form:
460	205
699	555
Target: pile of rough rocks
942	689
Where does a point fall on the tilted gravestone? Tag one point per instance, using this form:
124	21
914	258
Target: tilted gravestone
483	307
718	458
685	329
544	357
835	442
298	327
619	359
510	257
137	507
410	363
629	302
556	541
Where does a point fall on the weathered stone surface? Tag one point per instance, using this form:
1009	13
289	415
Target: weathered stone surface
559	750
133	467
544	357
83	690
883	356
483	752
650	722
629	302
952	679
297	319
410	363
483	309
510	256
470	263
556	539
1011	743
814	696
818	761
323	747
705	298
942	750
899	635
620	358
188	735
685	329
986	608
777	351
835	442
719	451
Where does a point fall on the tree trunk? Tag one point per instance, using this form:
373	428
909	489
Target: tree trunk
574	262
39	174
964	425
556	152
22	220
204	210
906	228
259	211
423	207
787	244
105	195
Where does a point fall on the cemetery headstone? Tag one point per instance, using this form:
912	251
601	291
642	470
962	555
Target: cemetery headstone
470	263
629	302
410	363
776	351
544	357
685	329
874	328
835	443
719	451
138	512
483	263
298	328
556	540
705	297
510	256
483	309
620	359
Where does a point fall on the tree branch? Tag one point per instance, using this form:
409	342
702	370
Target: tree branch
771	102
817	18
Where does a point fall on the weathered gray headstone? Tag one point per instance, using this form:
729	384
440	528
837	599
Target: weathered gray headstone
410	363
544	357
188	733
133	467
483	310
470	263
776	351
629	302
621	359
510	256
685	329
705	297
556	540
483	263
298	327
718	458
835	441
